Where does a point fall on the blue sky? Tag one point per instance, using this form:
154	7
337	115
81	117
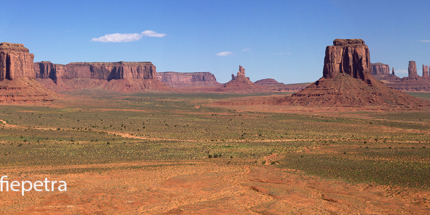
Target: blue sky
284	40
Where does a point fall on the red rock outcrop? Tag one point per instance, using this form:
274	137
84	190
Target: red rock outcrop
73	76
349	56
347	82
425	71
392	73
190	79
17	77
412	69
15	61
240	74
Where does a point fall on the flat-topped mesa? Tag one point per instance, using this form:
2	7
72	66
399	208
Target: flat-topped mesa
425	71
96	70
412	69
15	61
350	56
380	69
188	79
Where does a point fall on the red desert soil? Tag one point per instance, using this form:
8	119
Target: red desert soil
207	188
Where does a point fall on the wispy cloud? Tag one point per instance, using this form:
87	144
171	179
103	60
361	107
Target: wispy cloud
150	33
125	38
244	50
425	41
280	53
224	53
401	71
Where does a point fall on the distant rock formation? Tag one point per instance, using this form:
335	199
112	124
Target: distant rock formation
95	71
17	77
392	73
412	69
15	61
381	72
347	82
240	74
349	56
241	83
413	82
190	79
267	82
380	69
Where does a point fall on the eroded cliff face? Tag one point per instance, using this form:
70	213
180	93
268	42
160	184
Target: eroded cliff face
15	61
350	56
46	69
96	70
191	79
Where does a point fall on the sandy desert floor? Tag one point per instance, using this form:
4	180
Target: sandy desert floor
267	162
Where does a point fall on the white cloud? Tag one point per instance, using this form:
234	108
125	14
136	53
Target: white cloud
425	41
244	50
150	33
401	71
118	38
224	53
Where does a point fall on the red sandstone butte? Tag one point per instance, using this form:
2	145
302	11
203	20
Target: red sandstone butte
15	61
349	56
380	69
17	77
347	82
412	69
425	71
